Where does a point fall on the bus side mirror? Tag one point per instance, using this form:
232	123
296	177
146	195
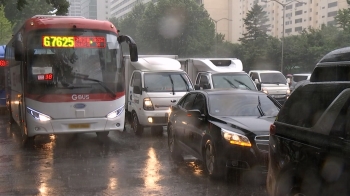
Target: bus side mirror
132	46
18	50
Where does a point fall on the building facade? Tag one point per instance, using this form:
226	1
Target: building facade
119	8
92	9
74	8
298	15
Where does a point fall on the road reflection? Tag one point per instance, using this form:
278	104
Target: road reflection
152	170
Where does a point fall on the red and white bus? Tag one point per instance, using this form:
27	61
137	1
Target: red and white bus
66	75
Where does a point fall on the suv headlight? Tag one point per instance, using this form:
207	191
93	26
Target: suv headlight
115	113
38	115
147	104
235	138
288	92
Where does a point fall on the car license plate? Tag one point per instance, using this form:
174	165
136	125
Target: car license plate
79	126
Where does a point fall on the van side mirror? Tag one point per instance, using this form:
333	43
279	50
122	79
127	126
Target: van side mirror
206	86
137	90
197	87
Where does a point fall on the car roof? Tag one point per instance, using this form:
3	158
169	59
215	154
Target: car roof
229	91
265	71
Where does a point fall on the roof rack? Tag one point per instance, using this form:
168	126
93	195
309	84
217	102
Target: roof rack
52	16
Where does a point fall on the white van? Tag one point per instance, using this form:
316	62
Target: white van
216	73
271	82
154	83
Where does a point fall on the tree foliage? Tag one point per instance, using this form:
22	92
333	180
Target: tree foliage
5	28
255	24
61	6
343	19
171	27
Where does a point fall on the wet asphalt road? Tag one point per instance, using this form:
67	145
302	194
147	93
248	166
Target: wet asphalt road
123	165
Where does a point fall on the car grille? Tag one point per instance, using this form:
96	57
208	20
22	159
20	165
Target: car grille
262	142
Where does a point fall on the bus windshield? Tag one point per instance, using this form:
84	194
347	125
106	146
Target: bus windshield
65	62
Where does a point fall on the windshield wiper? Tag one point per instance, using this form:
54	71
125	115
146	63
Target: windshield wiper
187	85
172	84
259	107
242	84
230	83
98	81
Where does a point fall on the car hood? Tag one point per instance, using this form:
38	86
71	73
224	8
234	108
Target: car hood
257	125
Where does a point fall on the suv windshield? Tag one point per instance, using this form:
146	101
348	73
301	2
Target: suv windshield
74	62
167	82
273	78
233	80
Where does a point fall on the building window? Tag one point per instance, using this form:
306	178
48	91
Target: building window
334	4
298	29
298	12
299	4
288	7
298	20
310	18
331	14
289	15
288	30
331	23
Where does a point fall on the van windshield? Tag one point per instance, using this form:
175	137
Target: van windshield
167	82
273	78
233	80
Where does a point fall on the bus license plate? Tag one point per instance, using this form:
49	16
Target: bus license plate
79	126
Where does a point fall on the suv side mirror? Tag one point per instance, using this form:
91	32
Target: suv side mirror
137	90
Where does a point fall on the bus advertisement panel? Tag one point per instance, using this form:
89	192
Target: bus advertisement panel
67	79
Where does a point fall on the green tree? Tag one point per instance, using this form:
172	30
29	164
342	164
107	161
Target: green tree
343	19
5	28
61	6
17	17
175	27
255	24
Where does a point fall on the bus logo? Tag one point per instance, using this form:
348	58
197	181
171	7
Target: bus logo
79	106
80	97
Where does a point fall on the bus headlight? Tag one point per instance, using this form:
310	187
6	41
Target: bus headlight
37	115
235	138
115	113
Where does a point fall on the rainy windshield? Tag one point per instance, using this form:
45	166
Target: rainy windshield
92	65
242	105
273	78
167	82
233	80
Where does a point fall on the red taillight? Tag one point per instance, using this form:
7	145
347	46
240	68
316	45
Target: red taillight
272	129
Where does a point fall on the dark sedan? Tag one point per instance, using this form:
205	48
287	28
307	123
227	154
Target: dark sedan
223	129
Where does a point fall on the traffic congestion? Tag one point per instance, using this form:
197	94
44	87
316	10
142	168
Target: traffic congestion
86	110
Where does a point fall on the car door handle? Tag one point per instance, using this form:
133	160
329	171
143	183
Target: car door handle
173	101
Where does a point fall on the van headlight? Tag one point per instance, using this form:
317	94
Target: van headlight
235	138
38	115
115	113
264	90
147	104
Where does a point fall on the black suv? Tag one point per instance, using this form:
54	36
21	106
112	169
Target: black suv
309	147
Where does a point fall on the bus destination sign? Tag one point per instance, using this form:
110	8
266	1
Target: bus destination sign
49	41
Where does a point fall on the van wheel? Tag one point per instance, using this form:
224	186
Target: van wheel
138	129
157	130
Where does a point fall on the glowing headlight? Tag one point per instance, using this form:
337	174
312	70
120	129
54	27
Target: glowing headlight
264	90
115	113
147	104
235	138
288	91
169	111
37	115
